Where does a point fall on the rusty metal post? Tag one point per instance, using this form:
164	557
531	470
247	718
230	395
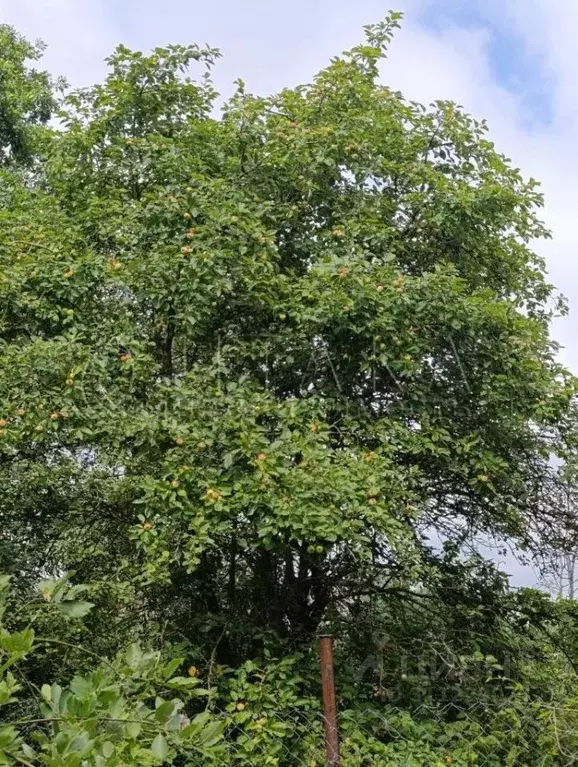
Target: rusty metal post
329	702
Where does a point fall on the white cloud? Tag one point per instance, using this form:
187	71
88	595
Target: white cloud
79	34
547	28
550	27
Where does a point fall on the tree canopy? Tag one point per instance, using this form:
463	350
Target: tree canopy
267	372
27	97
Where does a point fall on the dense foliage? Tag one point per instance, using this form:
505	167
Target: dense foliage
261	374
27	98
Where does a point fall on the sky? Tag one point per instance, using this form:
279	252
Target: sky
512	62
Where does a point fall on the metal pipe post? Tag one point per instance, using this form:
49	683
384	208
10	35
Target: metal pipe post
329	701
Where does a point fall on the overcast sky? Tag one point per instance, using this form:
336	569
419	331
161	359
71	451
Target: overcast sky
512	62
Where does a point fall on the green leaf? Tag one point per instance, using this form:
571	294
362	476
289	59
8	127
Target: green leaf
56	695
81	687
107	749
211	734
8	736
165	711
17	642
28	752
75	608
133	729
182	682
160	747
134	656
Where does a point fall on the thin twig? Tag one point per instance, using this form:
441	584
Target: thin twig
391	373
43	640
458	360
211	665
333	370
